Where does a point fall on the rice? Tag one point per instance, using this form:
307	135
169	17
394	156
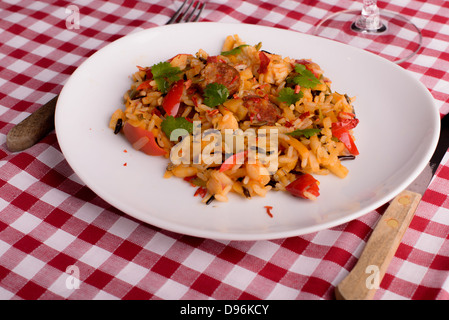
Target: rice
312	123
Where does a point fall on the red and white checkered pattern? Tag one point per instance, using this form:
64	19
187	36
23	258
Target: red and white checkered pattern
49	220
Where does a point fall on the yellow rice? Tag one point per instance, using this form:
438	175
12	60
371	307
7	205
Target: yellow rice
319	107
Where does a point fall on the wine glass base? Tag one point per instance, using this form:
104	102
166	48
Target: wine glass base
381	29
396	39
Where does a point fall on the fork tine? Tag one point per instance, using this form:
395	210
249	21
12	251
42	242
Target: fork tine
177	13
199	12
182	15
187	18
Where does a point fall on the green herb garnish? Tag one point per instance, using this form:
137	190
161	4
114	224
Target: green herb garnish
289	96
215	94
171	123
305	77
307	133
236	50
165	74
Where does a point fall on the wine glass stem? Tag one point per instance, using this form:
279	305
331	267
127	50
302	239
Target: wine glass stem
369	20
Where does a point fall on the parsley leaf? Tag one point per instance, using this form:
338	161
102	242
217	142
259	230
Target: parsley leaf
166	70
307	133
289	96
171	123
165	74
215	94
236	50
305	77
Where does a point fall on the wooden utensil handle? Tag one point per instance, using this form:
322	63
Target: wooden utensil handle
362	282
33	128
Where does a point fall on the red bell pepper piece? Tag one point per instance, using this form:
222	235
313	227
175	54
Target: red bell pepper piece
347	140
201	191
340	130
345	116
264	62
179	54
233	160
142	140
303	61
173	98
144	85
149	74
304	183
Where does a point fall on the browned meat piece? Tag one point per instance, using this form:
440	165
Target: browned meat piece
222	73
261	110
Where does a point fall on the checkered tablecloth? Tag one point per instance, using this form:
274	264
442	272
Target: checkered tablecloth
54	230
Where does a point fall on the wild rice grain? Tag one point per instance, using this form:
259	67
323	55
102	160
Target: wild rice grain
118	126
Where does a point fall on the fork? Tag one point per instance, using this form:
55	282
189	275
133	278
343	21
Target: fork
41	122
184	16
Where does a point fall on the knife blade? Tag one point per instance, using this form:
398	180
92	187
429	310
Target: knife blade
364	279
421	183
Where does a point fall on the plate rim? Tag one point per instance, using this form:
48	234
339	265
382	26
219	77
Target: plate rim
156	222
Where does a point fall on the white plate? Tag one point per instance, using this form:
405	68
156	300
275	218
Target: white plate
396	136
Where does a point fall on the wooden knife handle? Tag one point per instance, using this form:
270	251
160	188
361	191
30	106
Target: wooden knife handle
363	281
33	128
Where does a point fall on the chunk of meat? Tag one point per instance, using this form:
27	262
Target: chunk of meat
261	110
220	72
